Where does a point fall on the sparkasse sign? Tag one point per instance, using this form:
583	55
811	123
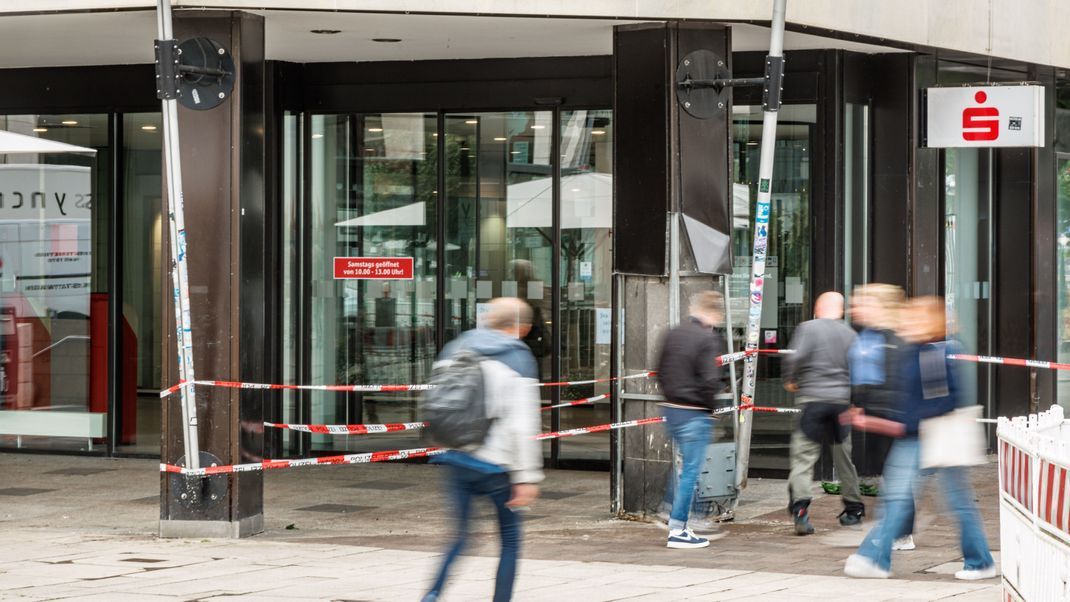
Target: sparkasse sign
985	116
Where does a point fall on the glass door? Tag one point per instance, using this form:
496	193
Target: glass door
968	260
373	197
787	294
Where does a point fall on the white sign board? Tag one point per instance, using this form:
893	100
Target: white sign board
985	116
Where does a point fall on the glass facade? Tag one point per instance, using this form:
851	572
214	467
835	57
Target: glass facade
53	286
1062	236
373	190
787	291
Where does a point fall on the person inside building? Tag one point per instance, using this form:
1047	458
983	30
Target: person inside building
691	381
507	467
874	359
930	389
817	372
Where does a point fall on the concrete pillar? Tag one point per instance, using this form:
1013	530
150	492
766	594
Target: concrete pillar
223	159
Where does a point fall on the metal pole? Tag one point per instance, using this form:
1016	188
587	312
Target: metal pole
761	234
179	275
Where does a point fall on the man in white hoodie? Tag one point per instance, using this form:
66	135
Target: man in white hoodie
508	465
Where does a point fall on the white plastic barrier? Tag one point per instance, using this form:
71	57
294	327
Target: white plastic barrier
1034	506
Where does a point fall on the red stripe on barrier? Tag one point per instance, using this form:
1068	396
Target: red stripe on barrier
1047	498
1062	493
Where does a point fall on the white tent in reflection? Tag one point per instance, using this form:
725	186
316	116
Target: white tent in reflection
413	214
586	202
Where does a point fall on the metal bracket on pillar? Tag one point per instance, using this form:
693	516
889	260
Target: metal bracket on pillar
702	77
199	72
199	492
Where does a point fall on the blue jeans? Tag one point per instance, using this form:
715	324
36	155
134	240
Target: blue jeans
900	481
464	484
691	432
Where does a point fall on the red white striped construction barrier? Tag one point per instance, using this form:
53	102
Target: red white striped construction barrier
1034	512
349	429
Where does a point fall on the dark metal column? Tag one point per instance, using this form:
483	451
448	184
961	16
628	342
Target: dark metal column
665	162
223	152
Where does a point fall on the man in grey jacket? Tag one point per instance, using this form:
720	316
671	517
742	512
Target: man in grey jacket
507	466
819	376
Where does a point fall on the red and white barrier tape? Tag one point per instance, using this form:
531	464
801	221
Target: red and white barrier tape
754	408
370	388
598	428
576	402
388	456
1008	361
349	429
365	458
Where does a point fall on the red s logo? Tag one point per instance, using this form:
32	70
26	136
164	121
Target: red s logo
980	123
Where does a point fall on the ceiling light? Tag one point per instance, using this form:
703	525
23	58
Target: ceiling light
375	129
69	122
537	127
514	152
598	132
574	189
435	135
471	121
500	139
325	32
149	128
369	150
386	40
464	148
40	129
317	136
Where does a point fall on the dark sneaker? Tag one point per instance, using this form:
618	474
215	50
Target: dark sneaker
852	515
685	538
801	514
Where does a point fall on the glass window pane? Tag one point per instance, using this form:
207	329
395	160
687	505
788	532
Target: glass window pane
586	273
53	286
374	189
143	266
787	291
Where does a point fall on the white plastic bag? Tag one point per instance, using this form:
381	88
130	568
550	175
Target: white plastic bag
954	439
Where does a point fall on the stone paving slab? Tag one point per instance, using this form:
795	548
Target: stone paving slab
77	542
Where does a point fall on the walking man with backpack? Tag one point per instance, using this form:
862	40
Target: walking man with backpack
485	406
819	376
691	380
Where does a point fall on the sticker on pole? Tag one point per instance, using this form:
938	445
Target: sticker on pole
373	268
763	185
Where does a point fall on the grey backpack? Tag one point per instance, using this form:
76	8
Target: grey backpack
455	409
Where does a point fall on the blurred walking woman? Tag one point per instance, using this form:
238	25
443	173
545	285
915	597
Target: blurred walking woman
929	389
874	369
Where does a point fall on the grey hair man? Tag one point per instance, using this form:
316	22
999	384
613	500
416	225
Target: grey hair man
819	375
508	465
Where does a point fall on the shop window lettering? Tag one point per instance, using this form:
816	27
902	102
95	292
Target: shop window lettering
18	200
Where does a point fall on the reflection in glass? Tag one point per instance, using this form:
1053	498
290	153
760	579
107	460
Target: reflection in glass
142	264
373	183
53	286
586	273
787	294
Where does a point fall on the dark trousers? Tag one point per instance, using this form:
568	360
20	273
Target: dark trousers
464	484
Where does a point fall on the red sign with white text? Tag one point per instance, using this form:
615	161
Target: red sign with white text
373	268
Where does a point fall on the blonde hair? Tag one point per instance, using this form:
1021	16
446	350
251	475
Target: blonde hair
889	297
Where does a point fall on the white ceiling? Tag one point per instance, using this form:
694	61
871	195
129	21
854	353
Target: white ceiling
126	37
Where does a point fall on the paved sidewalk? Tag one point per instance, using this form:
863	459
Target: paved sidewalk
82	529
